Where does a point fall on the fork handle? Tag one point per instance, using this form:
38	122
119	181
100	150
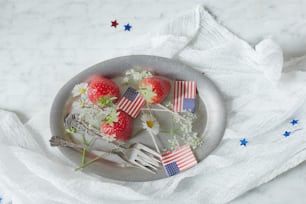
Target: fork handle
58	141
72	120
113	156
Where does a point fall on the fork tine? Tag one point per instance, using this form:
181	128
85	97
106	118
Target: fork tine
148	164
147	149
157	160
138	163
148	159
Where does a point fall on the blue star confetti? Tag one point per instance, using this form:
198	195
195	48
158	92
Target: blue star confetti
294	122
287	133
243	142
127	27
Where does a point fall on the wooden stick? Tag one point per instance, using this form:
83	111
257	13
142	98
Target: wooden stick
166	109
154	141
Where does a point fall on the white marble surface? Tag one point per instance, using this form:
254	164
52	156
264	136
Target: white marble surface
43	44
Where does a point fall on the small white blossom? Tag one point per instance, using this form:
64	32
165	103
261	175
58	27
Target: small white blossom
136	75
169	105
79	89
177	118
150	123
93	115
125	80
84	102
109	109
81	103
184	123
192	139
109	138
173	143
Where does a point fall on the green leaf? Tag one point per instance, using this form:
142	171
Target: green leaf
147	93
71	130
105	101
112	117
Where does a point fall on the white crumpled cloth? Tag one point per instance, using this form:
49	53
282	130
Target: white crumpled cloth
262	96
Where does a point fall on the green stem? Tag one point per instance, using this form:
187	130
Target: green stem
88	163
171	125
165	131
84	149
83	156
92	141
149	109
154	109
84	140
171	131
92	161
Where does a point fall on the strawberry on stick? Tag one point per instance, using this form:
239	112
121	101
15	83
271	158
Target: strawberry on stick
117	124
102	91
154	89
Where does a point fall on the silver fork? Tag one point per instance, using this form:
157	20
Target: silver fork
138	155
143	157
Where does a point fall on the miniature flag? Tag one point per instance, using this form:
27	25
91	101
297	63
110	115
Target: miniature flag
178	160
131	102
184	96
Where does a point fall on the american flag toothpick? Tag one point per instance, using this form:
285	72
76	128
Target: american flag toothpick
178	160
131	102
184	96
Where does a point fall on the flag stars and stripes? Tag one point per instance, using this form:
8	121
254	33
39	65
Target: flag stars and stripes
131	102
178	160
184	96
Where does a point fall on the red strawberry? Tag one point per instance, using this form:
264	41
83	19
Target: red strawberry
121	127
154	89
102	91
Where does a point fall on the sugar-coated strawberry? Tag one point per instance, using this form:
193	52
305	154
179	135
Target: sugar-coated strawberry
102	91
119	125
154	89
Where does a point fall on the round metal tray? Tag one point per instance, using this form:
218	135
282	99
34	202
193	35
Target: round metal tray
210	110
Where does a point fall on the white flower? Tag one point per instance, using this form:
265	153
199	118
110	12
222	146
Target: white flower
125	80
193	140
173	143
177	118
184	121
150	123
79	89
137	75
81	103
93	115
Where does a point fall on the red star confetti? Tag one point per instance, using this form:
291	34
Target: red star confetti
114	23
